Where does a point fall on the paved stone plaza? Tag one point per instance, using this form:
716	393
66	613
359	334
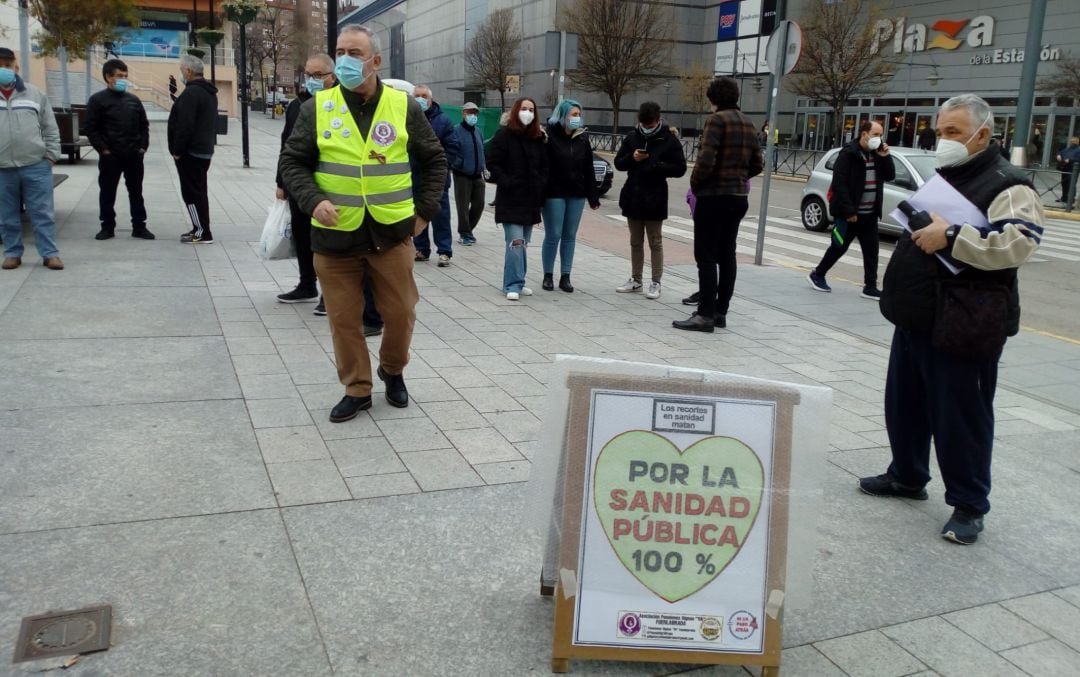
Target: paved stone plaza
165	448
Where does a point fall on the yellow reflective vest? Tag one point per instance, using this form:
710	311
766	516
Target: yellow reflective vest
364	175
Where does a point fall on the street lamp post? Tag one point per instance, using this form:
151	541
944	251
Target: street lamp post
243	12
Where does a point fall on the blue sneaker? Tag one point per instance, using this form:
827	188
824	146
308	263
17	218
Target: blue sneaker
963	527
817	282
467	240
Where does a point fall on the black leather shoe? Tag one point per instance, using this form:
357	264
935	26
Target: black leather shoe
348	408
396	394
564	284
105	234
720	321
695	323
142	233
549	282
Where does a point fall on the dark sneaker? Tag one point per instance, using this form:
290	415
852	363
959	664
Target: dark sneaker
105	234
421	256
192	238
142	233
963	527
320	308
396	393
886	485
872	293
348	408
695	323
372	331
817	282
298	295
692	300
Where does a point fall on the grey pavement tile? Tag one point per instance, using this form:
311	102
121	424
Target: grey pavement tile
319	396
361	426
1050	657
996	627
483	445
267	386
272	322
497	339
522	355
516	426
120	273
240	329
251	345
375	486
99	465
493	365
413	434
807	661
387	412
237	315
427	342
528	449
442	358
176	586
1070	595
364	456
1050	614
223	302
302	482
503	472
299	443
313	373
301	354
869	654
490	399
440	469
108	312
293	337
521	385
471	347
456	415
73	372
431	390
948	651
246	365
278	413
464	377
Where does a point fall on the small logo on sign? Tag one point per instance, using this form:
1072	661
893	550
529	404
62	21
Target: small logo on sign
742	625
629	625
711	628
384	133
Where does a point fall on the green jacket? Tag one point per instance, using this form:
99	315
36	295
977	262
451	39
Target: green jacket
300	157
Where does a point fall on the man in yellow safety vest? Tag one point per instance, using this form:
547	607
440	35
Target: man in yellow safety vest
347	164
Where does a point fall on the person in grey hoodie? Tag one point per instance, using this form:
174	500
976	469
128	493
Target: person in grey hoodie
29	147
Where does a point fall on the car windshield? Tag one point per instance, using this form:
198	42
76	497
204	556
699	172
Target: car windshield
925	165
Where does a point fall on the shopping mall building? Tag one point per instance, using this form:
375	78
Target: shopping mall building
935	50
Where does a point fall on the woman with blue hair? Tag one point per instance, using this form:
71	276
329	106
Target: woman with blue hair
570	183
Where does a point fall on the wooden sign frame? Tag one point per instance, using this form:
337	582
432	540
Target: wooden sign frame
570	504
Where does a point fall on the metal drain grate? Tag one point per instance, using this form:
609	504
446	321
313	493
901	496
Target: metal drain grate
64	633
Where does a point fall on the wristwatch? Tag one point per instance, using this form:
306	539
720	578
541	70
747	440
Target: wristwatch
951	232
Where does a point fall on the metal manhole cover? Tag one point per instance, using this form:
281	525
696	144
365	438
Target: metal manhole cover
64	633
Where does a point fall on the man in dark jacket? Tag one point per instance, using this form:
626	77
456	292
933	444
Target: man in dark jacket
468	168
192	123
365	208
650	154
858	183
117	128
729	155
440	225
943	367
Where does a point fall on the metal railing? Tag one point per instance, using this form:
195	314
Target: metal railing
1047	184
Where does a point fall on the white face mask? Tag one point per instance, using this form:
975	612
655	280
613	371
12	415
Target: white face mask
526	117
951	152
873	142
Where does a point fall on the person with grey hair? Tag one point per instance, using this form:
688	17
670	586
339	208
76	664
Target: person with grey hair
952	321
440	225
191	133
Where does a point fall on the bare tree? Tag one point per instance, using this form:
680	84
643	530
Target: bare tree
493	52
840	55
623	45
277	34
693	85
1065	81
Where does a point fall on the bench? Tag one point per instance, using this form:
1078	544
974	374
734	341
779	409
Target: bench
71	123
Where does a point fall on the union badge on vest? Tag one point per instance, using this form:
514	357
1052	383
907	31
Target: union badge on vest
384	133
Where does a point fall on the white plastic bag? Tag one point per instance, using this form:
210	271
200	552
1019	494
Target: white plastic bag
276	241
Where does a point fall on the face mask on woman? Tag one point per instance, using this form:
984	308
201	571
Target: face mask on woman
575	122
526	117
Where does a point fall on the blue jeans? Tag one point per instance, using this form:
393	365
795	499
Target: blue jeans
515	265
562	216
440	227
33	186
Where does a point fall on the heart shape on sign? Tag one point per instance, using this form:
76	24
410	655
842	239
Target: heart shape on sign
676	519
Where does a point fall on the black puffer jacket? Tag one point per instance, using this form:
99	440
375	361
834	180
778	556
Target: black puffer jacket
644	196
849	180
116	122
570	166
519	169
193	119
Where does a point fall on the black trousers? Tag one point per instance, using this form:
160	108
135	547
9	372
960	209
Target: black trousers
931	395
865	230
716	228
469	198
192	172
110	168
301	233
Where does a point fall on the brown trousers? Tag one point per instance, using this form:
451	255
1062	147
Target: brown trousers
342	280
638	230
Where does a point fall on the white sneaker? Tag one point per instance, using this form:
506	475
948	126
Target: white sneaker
525	291
653	291
630	286
512	296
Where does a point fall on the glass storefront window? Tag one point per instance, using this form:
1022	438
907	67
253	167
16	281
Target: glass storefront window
1060	136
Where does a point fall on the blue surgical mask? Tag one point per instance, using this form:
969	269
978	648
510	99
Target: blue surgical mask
575	122
313	85
471	120
7	76
424	104
350	71
120	85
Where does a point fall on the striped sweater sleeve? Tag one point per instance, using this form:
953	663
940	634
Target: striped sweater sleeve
1015	230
